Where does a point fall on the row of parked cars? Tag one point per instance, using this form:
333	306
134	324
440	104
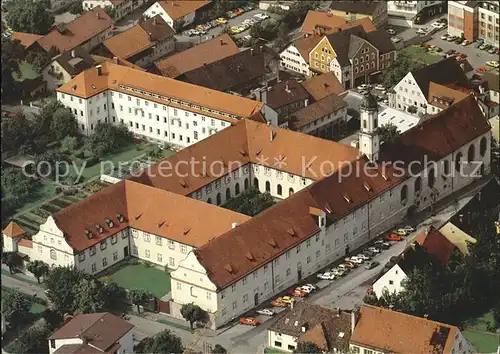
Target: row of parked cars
203	28
249	22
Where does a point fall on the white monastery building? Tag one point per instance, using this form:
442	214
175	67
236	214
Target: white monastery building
226	262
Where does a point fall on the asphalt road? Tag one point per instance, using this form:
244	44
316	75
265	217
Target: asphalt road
30	289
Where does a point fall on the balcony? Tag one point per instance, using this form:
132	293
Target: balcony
409	4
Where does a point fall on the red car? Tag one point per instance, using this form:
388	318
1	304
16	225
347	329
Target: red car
298	292
392	237
249	321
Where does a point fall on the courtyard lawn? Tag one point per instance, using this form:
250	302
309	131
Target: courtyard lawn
483	342
480	323
138	276
26	72
422	55
37	308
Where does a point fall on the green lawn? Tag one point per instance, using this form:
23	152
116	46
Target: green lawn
421	54
138	276
483	342
26	72
273	351
480	322
37	308
45	191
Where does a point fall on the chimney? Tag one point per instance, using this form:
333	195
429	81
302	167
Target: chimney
251	51
221	42
154	21
99	70
462	65
271	133
234	224
115	60
261	48
481	88
73	54
98	16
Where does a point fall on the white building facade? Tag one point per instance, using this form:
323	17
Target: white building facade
402	13
390	282
488	17
408	94
121	9
291	59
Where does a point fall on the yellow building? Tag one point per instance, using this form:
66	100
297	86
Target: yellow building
376	11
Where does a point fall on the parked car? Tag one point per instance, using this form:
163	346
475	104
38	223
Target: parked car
348	265
339	272
311	287
327	276
379	87
402	232
371	265
492	63
422	31
445	36
459	40
481	70
364	257
287	299
466	42
390	31
392	237
409	228
451	38
396	39
443	20
374	249
306	289
382	244
355	260
249	321
266	312
492	50
279	303
298	292
362	87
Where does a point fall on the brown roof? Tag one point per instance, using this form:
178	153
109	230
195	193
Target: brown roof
366	7
305	45
329	23
447	95
328	328
139	38
83	348
75	61
247	142
78	31
323	85
180	8
26	39
314	111
151	210
195	57
284	93
13	230
459	123
102	330
25	243
436	245
89	83
390	331
116	60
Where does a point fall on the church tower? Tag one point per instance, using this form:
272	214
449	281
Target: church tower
369	140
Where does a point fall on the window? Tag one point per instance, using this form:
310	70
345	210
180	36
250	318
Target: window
147	253
483	146
431	178
81	255
418	184
53	254
209	295
135	250
114	239
159	257
94	267
458	161
308	260
147	237
115	255
92	250
277	279
404	194
308	243
245	281
179	285
104	262
234	305
171	261
158	240
183	248
233	288
279	189
298	249
103	245
471	153
245	298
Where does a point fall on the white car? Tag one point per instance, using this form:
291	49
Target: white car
379	87
438	25
402	232
373	249
327	276
362	87
343	267
445	36
339	272
355	259
307	289
422	31
314	287
390	31
363	257
409	229
266	312
395	39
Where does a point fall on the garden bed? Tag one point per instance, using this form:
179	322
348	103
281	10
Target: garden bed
51	208
61	203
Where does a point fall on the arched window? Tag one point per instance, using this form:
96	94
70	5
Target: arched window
256	183
219	201
446	167
290	191
53	254
431	179
418	184
268	186
279	189
209	200
246	183
483	146
404	194
237	189
471	153
458	161
228	193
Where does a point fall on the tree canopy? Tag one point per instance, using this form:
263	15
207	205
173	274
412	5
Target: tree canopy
108	138
219	349
89	296
403	64
12	54
15	306
250	202
307	347
388	132
60	283
163	343
38	268
31	341
17	188
29	16
193	313
139	297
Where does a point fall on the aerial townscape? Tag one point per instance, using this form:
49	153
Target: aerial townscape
245	176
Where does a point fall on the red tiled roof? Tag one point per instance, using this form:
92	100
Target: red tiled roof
13	230
180	8
436	245
26	39
25	243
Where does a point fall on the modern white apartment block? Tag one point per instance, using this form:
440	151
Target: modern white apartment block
403	13
488	22
228	263
157	108
121	7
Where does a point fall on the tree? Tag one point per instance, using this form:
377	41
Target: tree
12	54
219	349
64	123
17	188
307	347
69	144
12	260
76	8
114	296
29	16
388	132
163	343
139	297
31	341
89	296
61	282
108	138
38	268
193	313
403	64
15	306
16	132
39	60
53	318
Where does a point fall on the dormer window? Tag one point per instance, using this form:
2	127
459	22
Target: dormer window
120	217
99	228
89	234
